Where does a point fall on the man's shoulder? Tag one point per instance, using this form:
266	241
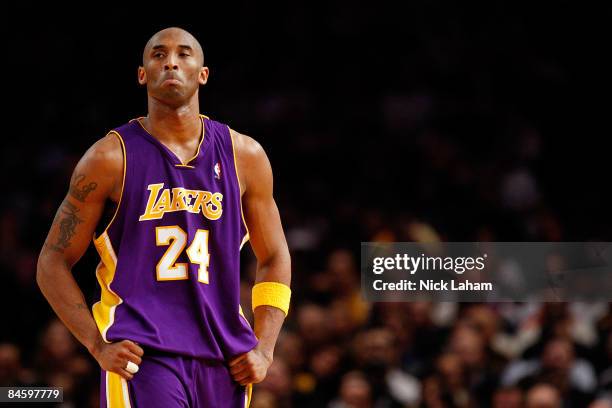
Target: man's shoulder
105	158
246	146
106	150
250	158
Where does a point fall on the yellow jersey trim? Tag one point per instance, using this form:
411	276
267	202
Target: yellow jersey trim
122	182
201	141
183	164
104	310
247	235
241	313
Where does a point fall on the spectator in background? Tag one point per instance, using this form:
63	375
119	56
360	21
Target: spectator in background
11	372
435	396
574	379
482	366
484	319
60	364
543	396
317	383
59	353
355	392
376	354
604	363
290	348
326	366
602	402
508	397
419	339
277	386
313	325
264	399
339	285
452	378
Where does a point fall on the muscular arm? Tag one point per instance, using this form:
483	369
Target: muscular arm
97	177
266	236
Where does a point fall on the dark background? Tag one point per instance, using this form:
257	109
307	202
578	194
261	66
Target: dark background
452	121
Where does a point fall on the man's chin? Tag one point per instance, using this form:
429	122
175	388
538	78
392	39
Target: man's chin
172	97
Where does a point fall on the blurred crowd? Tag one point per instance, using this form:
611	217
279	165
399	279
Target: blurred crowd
337	351
428	125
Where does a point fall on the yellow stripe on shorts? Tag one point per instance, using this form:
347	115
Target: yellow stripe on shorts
117	394
247	397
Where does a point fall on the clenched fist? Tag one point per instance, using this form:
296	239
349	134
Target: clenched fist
251	367
115	356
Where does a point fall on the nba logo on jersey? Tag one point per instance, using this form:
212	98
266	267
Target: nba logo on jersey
217	169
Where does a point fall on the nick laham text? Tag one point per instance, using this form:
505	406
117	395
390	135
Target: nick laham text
430	284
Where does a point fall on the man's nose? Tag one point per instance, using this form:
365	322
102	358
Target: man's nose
170	63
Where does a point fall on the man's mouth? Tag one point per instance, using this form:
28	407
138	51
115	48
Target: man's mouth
171	80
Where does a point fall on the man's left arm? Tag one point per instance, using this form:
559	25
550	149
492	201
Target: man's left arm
270	248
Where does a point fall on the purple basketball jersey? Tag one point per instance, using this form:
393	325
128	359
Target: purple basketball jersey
170	269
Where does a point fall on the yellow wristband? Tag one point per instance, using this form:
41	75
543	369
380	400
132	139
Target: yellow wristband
272	294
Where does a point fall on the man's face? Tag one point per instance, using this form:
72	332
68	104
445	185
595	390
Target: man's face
172	67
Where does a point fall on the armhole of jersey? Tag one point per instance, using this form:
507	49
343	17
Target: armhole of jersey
247	235
122	186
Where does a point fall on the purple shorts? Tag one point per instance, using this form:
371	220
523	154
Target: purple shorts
171	381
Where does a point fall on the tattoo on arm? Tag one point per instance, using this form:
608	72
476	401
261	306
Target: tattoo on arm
80	306
67	219
78	191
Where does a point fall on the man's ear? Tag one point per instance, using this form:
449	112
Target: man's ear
142	76
203	78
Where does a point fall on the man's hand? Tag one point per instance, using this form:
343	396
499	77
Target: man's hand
115	356
251	367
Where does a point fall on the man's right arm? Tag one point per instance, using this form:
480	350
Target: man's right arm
97	177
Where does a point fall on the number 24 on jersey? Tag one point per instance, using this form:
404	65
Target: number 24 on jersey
176	238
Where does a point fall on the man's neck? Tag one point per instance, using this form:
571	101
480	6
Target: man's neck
173	125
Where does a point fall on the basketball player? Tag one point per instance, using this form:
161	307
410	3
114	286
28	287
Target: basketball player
168	330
